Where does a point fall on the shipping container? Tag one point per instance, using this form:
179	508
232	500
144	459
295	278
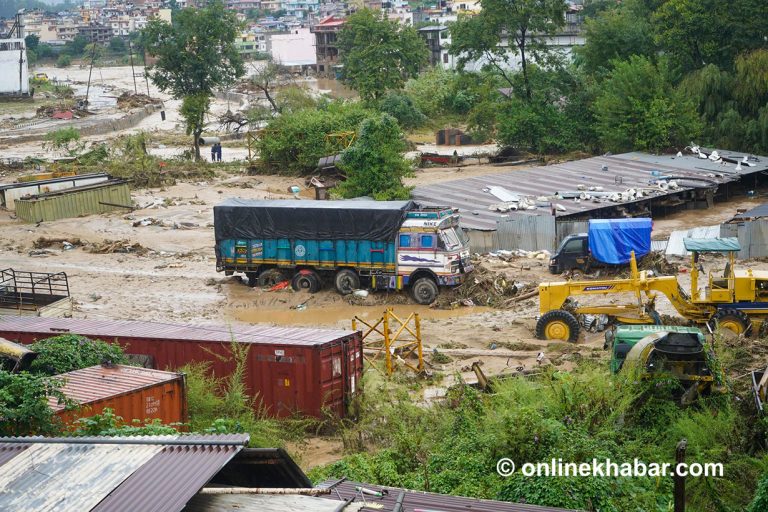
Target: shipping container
75	202
290	370
134	393
10	192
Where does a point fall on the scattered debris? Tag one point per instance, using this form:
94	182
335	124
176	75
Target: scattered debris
128	101
116	246
484	288
65	244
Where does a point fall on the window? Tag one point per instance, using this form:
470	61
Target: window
444	34
405	240
574	246
427	241
445	58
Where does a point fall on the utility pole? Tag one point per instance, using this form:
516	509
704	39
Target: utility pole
133	71
93	58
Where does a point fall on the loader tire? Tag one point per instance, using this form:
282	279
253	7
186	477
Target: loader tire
732	319
558	325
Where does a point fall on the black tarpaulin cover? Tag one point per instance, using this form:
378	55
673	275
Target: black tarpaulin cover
309	220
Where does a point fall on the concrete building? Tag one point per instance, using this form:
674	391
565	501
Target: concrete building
14	80
96	32
243	6
438	39
327	52
295	49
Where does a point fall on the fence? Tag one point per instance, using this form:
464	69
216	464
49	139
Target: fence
752	235
532	233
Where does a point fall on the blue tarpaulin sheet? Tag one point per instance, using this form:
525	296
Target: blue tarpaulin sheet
611	241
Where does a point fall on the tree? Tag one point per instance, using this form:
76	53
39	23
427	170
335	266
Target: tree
268	78
378	54
63	61
374	164
44	51
68	352
76	46
117	44
638	108
24	404
32	41
193	110
401	107
527	23
64	139
539	126
196	55
616	34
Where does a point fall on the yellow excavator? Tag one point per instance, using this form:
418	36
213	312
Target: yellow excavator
734	299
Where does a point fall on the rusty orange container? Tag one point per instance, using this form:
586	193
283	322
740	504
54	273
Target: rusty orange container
132	392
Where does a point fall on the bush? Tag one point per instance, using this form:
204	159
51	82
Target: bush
539	127
69	352
63	61
402	108
109	424
24	404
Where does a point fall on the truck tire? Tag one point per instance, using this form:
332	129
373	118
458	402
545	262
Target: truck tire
306	280
732	319
424	291
271	277
558	324
346	281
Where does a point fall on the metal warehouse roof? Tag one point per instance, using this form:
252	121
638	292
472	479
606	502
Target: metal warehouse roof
158	473
107	329
98	382
629	170
418	500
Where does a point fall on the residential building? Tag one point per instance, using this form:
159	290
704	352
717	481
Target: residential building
96	32
295	49
300	9
243	6
438	39
326	49
14	81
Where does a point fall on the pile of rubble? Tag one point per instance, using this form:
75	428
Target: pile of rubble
128	101
485	287
116	246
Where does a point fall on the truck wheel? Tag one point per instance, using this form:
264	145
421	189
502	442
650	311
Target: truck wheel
732	319
306	280
424	291
558	325
346	281
271	277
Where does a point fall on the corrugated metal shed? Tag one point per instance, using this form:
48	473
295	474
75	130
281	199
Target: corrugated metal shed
79	474
757	212
75	202
629	170
427	501
190	332
11	191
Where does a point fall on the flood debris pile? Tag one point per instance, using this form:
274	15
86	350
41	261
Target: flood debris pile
484	287
128	101
116	246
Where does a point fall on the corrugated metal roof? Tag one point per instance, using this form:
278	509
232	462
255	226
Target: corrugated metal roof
630	170
262	503
79	474
99	382
676	246
755	213
429	501
211	333
78	177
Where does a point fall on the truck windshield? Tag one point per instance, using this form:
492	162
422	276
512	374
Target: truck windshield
453	238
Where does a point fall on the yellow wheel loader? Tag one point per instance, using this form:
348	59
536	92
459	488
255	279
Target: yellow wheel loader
732	299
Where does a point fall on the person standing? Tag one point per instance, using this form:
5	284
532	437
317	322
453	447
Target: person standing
218	151
213	152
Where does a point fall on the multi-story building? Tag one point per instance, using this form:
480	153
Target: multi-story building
300	9
326	48
96	32
438	39
243	6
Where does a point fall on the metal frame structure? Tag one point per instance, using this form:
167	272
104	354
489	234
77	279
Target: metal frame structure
391	345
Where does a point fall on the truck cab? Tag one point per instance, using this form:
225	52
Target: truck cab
573	253
431	245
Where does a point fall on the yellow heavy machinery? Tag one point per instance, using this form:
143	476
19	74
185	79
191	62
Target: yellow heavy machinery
733	299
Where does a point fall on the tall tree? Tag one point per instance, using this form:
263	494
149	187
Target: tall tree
195	56
507	28
379	54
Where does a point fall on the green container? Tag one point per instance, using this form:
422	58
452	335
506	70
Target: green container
75	202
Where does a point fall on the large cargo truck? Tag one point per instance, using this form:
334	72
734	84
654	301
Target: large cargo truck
350	244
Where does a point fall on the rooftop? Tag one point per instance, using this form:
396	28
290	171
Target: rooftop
610	174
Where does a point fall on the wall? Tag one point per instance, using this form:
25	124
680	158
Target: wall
296	48
9	64
752	235
535	232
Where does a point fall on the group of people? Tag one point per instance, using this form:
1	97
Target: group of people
216	152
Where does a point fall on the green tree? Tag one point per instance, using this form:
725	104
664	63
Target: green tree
75	47
374	164
525	23
63	61
694	33
68	352
196	55
378	54
44	51
539	126
401	107
638	108
616	34
32	41
193	110
117	45
24	404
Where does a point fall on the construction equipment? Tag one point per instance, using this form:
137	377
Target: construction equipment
661	351
735	300
392	341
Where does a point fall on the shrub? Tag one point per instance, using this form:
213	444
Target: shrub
69	352
63	61
402	108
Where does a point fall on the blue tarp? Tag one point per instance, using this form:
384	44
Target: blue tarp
611	241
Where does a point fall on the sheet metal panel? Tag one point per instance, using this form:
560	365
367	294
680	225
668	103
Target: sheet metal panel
169	479
74	202
11	191
67	477
262	503
631	170
675	245
429	501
